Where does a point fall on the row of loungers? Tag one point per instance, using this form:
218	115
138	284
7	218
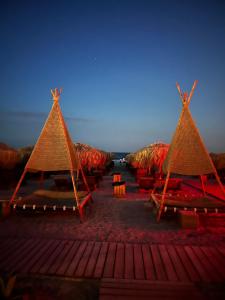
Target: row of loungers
58	196
200	204
52	201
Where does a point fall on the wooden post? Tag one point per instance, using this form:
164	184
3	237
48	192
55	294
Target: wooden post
75	190
18	186
84	179
56	98
192	91
163	197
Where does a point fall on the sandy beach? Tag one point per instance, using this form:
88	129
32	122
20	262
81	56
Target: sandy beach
129	219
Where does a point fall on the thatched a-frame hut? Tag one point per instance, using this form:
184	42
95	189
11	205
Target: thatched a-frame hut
187	154
54	151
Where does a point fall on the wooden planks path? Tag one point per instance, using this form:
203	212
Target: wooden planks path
112	289
90	259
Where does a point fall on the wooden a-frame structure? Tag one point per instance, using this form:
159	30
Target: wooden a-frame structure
187	154
54	150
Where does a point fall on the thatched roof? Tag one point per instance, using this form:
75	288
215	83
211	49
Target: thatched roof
148	156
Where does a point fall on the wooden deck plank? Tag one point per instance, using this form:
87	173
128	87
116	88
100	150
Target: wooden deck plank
181	273
18	255
110	261
148	263
12	247
132	293
69	257
147	284
191	271
214	257
100	264
211	271
60	257
171	274
55	253
119	261
27	256
148	290
37	253
129	262
76	259
139	271
159	268
45	256
84	260
115	260
14	254
92	260
196	263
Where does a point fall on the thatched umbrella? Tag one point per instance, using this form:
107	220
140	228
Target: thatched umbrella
150	156
91	157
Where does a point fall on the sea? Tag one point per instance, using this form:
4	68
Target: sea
119	155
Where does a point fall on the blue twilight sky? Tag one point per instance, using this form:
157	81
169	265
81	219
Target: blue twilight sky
117	62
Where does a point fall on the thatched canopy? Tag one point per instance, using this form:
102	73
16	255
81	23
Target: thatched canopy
149	156
91	157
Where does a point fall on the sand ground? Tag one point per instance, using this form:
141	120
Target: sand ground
128	219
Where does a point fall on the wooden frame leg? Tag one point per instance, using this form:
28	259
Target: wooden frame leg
18	186
163	197
81	213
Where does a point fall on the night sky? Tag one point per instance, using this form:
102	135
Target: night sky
118	63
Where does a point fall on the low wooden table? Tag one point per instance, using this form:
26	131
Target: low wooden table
119	188
116	177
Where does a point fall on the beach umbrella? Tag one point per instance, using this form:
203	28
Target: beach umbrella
150	156
91	157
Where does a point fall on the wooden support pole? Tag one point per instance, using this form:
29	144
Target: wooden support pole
163	197
84	179
179	91
75	190
192	91
18	186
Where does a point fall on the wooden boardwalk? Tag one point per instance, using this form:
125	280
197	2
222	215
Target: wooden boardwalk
97	260
112	289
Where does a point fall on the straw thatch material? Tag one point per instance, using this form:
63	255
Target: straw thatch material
54	150
149	156
91	157
187	154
